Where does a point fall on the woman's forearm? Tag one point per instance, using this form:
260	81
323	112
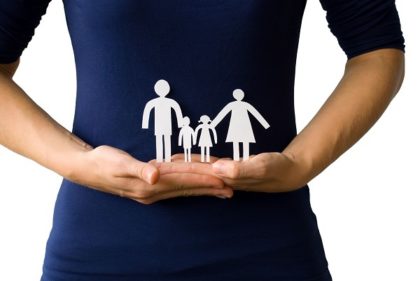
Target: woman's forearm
27	129
369	84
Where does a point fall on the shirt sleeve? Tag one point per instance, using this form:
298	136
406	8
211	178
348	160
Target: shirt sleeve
18	20
364	25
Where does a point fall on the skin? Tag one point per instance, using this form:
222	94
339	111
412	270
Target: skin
28	130
369	84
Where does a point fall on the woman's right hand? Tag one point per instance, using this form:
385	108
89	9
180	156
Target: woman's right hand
112	170
27	129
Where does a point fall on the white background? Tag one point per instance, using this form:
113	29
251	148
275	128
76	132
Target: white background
367	202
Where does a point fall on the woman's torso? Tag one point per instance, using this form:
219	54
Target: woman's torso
205	49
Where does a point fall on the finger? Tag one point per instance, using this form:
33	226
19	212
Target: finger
182	167
173	182
242	184
153	162
237	170
225	193
138	189
178	156
194	158
180	181
144	171
226	158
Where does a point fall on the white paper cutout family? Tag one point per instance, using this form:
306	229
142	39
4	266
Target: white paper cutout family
240	128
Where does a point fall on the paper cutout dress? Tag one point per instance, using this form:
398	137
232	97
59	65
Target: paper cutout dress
205	141
163	107
240	127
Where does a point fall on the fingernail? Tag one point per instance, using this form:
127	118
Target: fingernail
151	174
150	178
221	196
219	167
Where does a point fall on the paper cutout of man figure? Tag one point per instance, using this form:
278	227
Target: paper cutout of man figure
163	120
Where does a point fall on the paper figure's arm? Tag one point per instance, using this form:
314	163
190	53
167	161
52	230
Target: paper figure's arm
196	131
257	116
225	111
146	113
181	133
178	113
194	136
214	134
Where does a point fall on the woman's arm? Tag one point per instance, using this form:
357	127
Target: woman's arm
369	84
27	129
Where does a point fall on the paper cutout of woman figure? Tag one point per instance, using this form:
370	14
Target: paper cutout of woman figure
205	138
187	138
240	128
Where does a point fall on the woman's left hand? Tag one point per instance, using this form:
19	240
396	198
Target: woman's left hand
265	172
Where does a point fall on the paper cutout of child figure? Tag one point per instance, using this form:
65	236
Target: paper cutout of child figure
205	141
187	138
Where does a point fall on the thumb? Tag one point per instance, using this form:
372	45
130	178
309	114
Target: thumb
227	168
144	171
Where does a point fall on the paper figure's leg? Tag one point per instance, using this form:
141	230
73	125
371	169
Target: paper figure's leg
236	151
167	139
245	146
202	154
186	154
207	152
189	154
159	148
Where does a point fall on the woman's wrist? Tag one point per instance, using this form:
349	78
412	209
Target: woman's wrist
302	167
73	158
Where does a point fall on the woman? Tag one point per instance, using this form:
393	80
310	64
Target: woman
119	216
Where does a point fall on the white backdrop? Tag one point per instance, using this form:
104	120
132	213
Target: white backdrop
366	202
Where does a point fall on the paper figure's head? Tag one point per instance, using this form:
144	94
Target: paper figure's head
162	88
186	121
204	119
238	94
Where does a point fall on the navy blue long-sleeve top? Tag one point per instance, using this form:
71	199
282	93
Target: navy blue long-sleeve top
205	49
